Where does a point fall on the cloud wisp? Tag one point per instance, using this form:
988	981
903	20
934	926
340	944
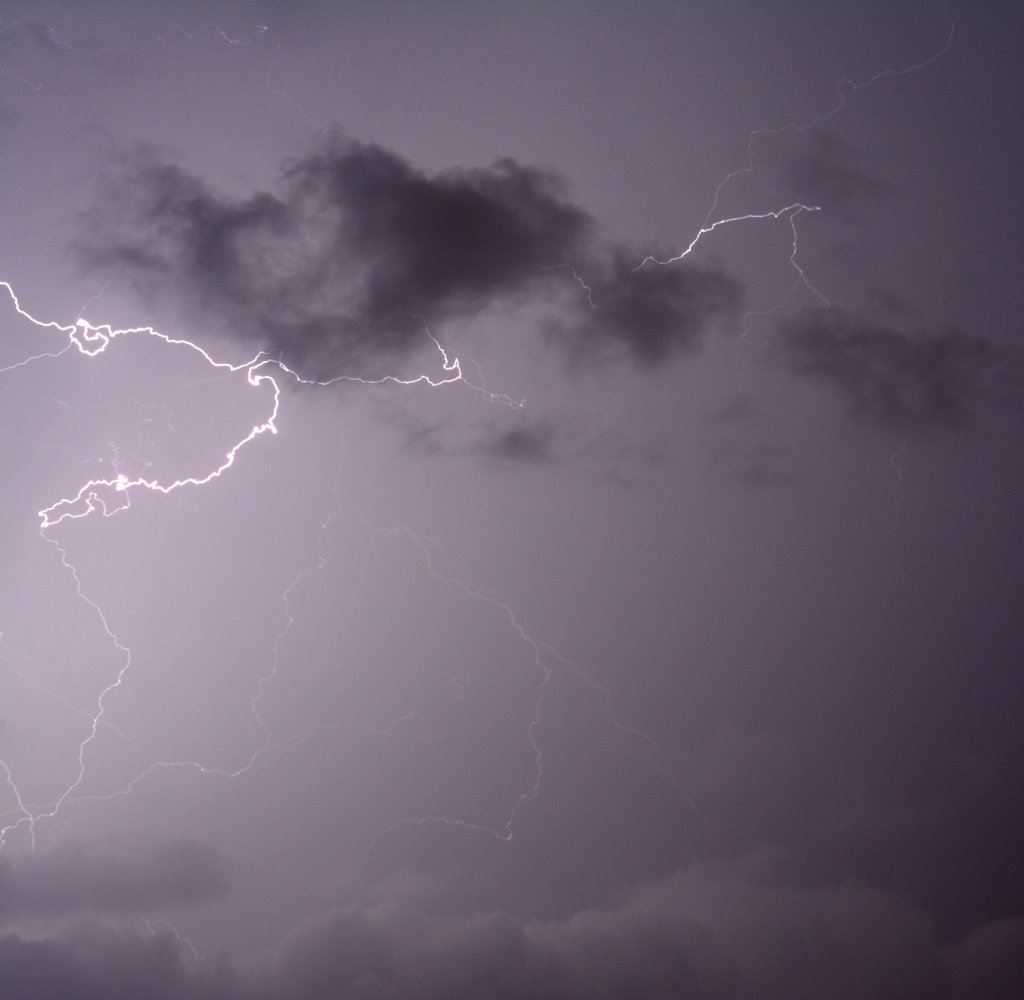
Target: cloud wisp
890	378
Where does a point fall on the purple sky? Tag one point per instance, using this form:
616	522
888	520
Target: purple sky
531	505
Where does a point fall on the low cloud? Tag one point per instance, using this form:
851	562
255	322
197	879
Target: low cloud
72	879
717	931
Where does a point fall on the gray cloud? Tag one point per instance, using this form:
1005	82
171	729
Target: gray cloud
886	302
75	879
647	315
718	931
349	261
344	267
899	380
824	170
989	962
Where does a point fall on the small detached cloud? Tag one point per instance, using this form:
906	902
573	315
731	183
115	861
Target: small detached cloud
904	381
340	271
647	314
530	444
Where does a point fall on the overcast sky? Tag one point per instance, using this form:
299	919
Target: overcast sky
511	500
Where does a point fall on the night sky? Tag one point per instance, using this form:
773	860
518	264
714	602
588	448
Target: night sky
511	500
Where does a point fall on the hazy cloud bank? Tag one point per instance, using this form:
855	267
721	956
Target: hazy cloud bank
714	931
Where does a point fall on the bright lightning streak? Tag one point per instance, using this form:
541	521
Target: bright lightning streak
92	340
108	496
709	227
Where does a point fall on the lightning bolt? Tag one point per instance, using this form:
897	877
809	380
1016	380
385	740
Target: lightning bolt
110	495
844	88
545	659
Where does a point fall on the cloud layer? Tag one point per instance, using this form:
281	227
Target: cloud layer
73	878
717	931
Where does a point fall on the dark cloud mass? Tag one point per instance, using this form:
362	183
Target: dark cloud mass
899	380
647	314
361	250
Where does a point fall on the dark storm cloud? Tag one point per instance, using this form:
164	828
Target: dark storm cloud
361	250
358	252
648	314
895	379
100	965
716	931
75	879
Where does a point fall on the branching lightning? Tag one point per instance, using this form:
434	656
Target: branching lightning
107	496
844	88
